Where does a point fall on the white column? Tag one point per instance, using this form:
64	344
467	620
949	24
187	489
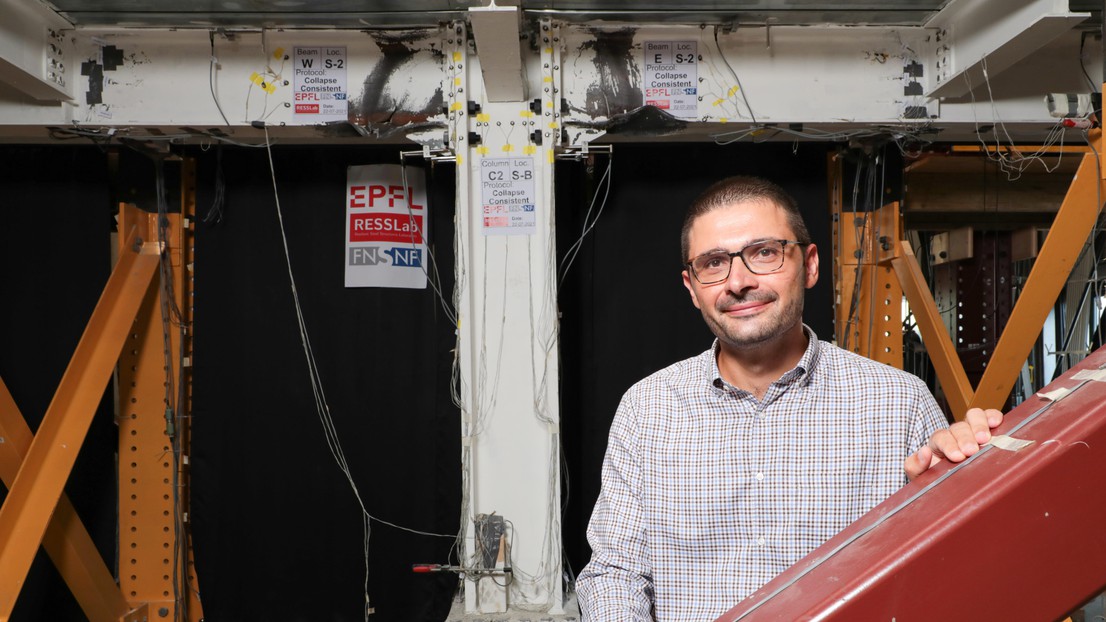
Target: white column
508	328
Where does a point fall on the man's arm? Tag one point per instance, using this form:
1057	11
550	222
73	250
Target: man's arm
617	584
955	443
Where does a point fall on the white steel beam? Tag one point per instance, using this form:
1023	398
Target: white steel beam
33	51
974	40
822	80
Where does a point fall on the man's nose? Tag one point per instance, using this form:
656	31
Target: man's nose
740	278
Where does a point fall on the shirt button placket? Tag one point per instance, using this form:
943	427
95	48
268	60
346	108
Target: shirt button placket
760	433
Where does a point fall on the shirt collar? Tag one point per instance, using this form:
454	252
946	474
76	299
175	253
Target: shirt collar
801	373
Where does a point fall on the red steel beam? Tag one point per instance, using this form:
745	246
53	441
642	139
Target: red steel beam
1007	535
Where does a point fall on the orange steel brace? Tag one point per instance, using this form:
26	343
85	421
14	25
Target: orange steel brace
66	541
860	265
1066	238
154	553
35	492
182	276
949	368
867	291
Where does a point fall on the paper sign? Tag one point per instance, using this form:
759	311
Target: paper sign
320	85
507	196
672	77
385	227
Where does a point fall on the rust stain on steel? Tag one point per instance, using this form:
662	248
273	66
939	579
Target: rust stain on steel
388	96
618	89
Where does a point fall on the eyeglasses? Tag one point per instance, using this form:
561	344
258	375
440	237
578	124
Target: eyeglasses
762	257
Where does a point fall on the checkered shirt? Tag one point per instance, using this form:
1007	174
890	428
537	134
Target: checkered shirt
708	493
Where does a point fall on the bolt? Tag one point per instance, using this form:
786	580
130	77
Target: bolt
163	612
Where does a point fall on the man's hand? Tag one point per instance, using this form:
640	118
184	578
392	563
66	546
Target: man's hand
956	442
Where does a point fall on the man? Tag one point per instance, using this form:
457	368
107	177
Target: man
724	469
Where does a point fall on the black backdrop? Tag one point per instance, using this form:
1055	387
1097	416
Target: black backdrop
277	529
55	257
619	326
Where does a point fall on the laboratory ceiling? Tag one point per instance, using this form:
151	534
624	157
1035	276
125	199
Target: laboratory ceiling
401	13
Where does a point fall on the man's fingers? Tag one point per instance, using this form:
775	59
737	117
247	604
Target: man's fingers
980	425
955	443
919	462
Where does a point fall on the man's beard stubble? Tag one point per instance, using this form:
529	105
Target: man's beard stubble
757	330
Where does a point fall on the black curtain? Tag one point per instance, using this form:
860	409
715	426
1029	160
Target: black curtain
55	257
625	312
277	529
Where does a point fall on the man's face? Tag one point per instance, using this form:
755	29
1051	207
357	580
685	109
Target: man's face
749	309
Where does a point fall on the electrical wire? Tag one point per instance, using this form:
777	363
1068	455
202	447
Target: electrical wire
737	79
858	234
433	277
174	388
589	223
214	214
322	407
211	77
729	137
1011	161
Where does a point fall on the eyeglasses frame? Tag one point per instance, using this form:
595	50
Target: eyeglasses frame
739	253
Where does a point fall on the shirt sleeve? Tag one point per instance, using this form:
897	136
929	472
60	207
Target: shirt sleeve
928	418
617	584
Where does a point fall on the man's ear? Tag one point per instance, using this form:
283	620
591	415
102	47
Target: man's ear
810	260
691	289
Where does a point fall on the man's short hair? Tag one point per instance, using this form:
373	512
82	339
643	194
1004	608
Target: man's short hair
739	189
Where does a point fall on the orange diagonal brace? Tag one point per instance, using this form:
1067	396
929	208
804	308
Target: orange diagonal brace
1058	255
66	540
950	371
34	494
